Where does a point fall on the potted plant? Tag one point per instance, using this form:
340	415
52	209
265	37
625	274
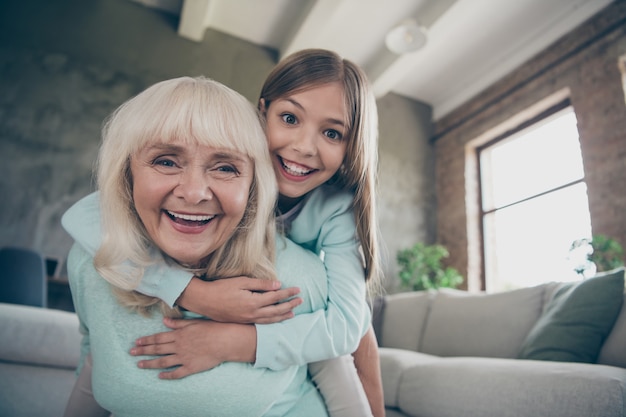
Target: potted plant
421	268
600	253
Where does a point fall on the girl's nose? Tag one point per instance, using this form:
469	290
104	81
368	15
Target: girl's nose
305	142
194	186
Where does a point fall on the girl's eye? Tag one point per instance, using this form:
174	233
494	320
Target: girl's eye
333	134
289	118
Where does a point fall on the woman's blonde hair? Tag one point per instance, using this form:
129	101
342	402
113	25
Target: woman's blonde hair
197	111
311	68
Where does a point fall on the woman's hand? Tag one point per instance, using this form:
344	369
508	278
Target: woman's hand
195	346
240	300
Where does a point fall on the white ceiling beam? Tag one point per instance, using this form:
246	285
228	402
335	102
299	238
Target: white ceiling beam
308	31
193	19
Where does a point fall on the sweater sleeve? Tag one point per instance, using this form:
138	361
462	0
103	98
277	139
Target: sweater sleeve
75	261
326	226
161	280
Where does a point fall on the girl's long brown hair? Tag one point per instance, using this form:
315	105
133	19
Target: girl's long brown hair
310	68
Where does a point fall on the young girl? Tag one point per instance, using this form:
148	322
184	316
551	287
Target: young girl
321	125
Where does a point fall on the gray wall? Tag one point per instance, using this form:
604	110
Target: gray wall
65	65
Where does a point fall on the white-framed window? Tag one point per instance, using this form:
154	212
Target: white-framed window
533	202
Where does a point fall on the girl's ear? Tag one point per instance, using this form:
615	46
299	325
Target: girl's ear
262	107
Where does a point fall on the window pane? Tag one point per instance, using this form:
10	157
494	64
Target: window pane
537	159
528	243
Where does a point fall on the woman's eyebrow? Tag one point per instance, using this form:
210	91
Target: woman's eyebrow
164	147
229	156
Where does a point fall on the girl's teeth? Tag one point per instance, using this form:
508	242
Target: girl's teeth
295	169
190	217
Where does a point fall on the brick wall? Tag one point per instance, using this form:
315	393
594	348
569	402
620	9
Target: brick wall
583	65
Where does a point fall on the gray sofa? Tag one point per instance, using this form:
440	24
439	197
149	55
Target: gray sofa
448	353
445	353
39	351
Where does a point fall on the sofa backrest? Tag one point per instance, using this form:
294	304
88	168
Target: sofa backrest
483	325
457	323
403	319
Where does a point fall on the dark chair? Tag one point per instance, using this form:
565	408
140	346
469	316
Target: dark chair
23	277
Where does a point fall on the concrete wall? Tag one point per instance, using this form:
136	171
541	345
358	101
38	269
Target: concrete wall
65	65
407	172
584	65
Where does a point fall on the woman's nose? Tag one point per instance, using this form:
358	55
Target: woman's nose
194	186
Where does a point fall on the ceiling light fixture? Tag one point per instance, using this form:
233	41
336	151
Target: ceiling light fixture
406	37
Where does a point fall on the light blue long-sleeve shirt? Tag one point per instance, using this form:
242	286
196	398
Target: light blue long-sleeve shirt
325	225
230	389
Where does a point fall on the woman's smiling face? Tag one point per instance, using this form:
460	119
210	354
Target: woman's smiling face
190	197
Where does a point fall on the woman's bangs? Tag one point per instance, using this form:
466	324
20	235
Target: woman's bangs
201	114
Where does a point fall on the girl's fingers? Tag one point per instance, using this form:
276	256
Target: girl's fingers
162	362
177	323
253	284
278	296
153	349
281	308
275	319
154	339
177	373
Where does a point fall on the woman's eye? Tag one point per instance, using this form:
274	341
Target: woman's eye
164	162
333	134
289	118
227	169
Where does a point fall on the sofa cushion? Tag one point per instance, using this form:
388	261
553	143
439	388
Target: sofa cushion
577	320
494	387
404	315
488	325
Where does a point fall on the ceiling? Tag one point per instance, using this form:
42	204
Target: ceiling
470	43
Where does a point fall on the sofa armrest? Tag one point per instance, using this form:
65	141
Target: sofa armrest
393	364
40	336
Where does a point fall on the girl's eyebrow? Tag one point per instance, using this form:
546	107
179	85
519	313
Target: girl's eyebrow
330	119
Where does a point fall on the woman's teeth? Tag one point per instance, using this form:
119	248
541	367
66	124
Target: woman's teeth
189	217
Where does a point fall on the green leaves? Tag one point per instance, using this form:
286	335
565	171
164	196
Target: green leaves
421	268
607	253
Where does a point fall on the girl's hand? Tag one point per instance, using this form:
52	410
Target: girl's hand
195	346
240	300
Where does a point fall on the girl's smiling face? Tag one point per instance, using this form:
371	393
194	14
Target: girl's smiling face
190	197
306	132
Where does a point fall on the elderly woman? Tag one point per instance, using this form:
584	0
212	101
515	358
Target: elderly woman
184	174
